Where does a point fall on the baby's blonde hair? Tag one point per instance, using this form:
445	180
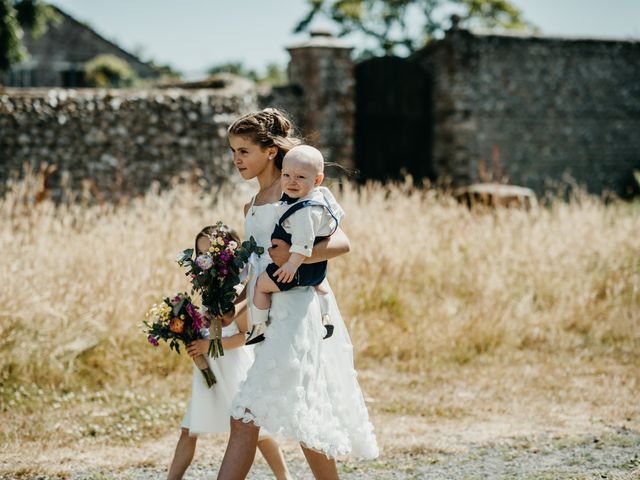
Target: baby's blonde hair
308	155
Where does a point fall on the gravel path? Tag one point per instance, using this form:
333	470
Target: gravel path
614	455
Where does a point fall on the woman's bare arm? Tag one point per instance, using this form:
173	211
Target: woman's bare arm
334	246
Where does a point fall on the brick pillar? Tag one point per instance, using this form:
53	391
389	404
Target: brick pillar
323	70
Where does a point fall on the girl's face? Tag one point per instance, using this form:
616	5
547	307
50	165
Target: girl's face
202	245
250	158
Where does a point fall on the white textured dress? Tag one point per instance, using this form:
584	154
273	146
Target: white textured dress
209	408
299	384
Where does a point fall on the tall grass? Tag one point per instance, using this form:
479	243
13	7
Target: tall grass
427	282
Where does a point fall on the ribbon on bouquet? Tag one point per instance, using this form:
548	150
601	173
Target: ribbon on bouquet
250	268
248	273
215	343
214	334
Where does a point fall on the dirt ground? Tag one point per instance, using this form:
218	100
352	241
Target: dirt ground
507	419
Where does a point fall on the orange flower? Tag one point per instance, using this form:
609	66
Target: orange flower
176	325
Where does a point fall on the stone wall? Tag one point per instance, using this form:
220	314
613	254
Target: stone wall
119	141
321	69
524	109
536	108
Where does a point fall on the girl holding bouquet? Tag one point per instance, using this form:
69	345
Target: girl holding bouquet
208	410
299	384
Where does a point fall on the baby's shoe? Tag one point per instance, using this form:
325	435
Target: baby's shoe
328	325
259	318
256	335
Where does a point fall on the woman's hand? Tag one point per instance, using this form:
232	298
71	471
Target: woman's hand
279	251
198	347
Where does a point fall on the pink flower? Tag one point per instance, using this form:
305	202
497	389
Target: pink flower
153	340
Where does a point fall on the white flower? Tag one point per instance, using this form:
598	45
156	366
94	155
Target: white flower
205	262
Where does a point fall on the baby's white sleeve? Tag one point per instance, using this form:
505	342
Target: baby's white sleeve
304	224
335	207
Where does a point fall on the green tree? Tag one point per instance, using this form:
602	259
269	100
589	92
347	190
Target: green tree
109	71
237	68
390	22
165	71
274	75
16	16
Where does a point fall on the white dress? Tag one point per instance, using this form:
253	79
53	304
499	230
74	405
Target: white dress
209	408
299	384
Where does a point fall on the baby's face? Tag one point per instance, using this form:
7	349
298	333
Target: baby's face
202	245
298	177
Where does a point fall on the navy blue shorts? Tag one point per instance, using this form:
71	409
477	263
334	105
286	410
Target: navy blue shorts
308	275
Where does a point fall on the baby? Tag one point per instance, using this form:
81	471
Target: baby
310	214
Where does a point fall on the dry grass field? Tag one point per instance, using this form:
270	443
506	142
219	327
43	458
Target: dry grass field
470	327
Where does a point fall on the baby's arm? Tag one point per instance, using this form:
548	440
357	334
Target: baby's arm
332	247
303	225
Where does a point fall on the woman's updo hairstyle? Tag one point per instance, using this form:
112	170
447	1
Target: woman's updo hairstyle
268	128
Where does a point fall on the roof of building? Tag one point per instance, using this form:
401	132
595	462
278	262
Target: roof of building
52	44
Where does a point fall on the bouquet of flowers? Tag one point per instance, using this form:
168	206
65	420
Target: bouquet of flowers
177	320
215	274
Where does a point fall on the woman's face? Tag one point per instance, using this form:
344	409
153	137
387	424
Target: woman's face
250	158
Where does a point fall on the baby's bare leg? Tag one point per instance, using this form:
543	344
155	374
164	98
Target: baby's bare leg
323	288
264	288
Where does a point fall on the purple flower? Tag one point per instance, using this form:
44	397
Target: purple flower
196	318
205	262
226	257
153	340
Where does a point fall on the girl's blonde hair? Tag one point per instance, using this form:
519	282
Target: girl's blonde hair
268	128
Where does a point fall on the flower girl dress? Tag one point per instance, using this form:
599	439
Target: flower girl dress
209	408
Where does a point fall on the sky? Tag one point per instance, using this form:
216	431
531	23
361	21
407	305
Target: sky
192	35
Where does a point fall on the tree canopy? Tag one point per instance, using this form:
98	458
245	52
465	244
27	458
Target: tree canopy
15	17
407	25
274	74
109	71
